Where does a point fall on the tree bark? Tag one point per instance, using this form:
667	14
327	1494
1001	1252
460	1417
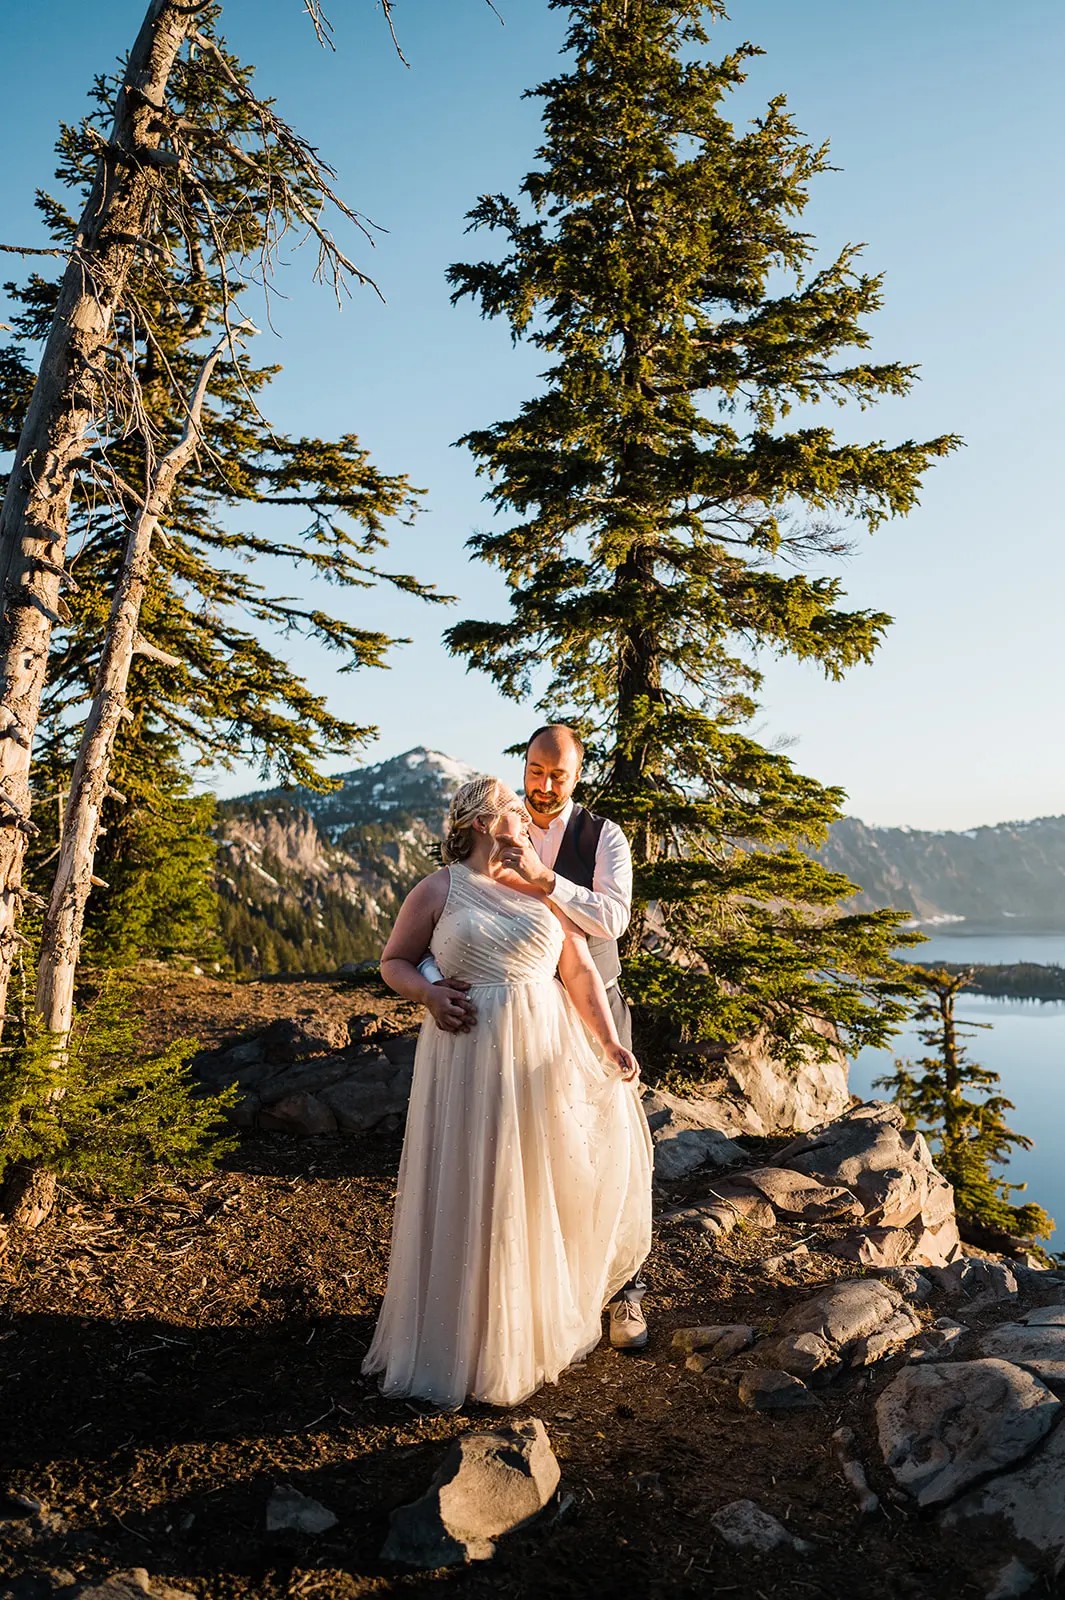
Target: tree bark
35	513
65	916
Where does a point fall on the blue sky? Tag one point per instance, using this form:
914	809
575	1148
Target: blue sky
942	120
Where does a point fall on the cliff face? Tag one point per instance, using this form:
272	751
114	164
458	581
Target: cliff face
1012	874
309	881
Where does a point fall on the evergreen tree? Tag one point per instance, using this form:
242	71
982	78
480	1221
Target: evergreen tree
672	523
955	1102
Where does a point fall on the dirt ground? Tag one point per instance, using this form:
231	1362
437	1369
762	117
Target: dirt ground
164	1364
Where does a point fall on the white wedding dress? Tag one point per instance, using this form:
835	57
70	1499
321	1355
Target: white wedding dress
524	1197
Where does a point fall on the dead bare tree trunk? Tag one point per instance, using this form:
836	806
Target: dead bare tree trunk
65	916
35	512
29	1193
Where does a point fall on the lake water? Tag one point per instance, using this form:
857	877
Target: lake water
1025	1046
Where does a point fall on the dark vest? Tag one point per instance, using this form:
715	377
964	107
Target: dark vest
576	861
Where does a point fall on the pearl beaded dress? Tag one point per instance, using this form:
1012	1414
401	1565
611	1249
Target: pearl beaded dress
524	1197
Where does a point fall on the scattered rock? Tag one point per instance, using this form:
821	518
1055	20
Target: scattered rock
133	1585
796	1196
888	1339
1038	1347
723	1210
1010	1581
939	1340
984	1283
853	1471
745	1526
764	1389
874	1247
289	1511
804	1355
301	1114
1028	1504
942	1427
686	1136
787	1260
488	1484
245	1114
718	1342
1045	1317
845	1312
286	1039
911	1284
754	1092
359	1105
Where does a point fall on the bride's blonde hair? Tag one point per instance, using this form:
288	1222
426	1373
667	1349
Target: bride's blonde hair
478	798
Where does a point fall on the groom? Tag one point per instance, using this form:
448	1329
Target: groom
583	865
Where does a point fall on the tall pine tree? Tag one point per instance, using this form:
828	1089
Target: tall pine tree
669	525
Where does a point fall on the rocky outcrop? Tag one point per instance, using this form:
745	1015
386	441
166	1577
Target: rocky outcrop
750	1090
888	1167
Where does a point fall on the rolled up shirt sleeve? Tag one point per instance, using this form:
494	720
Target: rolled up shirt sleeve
603	910
429	969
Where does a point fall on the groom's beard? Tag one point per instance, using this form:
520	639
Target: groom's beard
545	805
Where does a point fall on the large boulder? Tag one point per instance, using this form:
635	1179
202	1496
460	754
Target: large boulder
944	1426
686	1136
1036	1343
488	1484
888	1167
750	1090
1026	1505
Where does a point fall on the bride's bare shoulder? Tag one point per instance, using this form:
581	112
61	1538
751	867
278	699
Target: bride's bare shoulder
429	894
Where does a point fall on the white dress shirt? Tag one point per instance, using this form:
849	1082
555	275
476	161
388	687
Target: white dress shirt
605	908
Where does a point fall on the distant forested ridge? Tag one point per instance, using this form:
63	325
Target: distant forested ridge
1008	876
308	881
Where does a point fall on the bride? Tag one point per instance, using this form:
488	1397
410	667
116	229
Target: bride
524	1198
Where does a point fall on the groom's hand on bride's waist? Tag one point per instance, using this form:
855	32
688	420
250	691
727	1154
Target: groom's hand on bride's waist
449	1006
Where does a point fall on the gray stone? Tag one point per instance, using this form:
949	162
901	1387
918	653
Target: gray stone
1045	1317
287	1510
804	1355
888	1339
754	1092
1024	1508
764	1389
133	1584
399	1048
986	1283
787	1261
488	1484
874	1247
888	1166
684	1151
939	1340
287	1039
299	1114
307	1077
1038	1347
724	1210
794	1195
246	1112
744	1525
942	1427
720	1341
845	1312
1010	1581
911	1284
358	1106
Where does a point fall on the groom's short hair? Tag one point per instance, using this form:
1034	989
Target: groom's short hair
557	728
